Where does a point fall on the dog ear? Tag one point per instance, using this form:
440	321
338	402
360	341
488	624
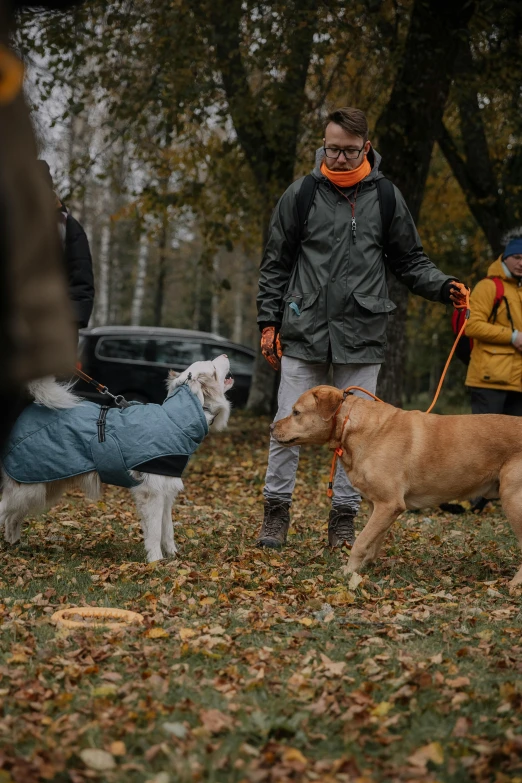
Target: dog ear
173	374
327	400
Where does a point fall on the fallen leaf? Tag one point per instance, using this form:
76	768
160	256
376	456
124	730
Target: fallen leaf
156	633
458	682
461	727
178	730
341	598
186	633
215	721
355	581
18	658
118	748
333	667
99	760
431	752
102	691
293	754
382	709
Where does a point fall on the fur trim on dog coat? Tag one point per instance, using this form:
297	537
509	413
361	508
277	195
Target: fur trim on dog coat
46	445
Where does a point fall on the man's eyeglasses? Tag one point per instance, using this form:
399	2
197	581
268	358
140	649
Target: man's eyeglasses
352	153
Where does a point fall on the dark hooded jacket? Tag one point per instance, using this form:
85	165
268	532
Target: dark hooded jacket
332	302
78	262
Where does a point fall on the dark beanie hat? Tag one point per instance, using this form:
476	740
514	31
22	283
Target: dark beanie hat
512	242
45	172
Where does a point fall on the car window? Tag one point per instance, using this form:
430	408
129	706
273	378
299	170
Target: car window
131	349
180	352
241	363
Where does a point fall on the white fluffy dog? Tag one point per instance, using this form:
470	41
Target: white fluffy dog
155	494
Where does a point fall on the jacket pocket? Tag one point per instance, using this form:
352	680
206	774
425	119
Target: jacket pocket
299	315
498	364
370	319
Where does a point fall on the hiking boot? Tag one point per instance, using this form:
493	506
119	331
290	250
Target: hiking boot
341	530
479	504
275	524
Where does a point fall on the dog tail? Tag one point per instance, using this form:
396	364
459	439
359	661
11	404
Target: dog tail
51	394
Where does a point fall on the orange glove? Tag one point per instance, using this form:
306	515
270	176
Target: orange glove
459	294
271	347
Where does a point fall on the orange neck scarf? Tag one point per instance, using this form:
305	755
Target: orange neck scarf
347	179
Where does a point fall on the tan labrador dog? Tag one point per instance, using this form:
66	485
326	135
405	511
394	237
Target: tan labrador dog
402	460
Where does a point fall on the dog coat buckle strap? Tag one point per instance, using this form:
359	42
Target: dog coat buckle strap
101	423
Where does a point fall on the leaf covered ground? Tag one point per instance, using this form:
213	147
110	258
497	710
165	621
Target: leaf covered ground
254	665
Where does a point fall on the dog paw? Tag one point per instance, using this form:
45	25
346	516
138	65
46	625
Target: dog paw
515	587
154	557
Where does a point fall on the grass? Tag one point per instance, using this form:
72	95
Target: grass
260	666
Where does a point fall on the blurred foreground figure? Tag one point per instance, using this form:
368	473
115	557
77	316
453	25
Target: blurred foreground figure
36	333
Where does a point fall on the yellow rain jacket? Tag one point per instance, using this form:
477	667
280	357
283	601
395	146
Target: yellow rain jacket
495	363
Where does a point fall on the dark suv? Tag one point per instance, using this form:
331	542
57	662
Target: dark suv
134	360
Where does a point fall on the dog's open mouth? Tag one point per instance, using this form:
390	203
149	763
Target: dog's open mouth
287	442
229	381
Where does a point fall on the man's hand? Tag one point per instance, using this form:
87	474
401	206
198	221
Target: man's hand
455	293
271	347
517	342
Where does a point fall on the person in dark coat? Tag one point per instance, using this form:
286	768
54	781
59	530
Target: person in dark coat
77	255
323	299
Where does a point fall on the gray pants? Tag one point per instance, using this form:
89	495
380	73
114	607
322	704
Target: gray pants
297	377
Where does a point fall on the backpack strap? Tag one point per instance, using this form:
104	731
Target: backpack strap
305	199
499	296
387	204
499	290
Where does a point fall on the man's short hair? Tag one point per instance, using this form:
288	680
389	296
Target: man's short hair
351	120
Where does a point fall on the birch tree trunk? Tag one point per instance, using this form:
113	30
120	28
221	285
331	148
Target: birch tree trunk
139	288
214	303
162	271
239	297
101	308
198	274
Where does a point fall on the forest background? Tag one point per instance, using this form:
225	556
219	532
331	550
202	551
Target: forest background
173	127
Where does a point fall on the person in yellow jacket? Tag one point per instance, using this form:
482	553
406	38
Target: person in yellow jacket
495	369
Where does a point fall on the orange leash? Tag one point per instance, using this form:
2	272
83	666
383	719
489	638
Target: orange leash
450	357
338	452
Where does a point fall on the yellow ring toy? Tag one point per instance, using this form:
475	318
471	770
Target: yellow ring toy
96	616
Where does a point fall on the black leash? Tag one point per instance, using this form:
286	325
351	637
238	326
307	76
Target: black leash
119	399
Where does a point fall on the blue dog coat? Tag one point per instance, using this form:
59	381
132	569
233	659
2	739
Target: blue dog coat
46	445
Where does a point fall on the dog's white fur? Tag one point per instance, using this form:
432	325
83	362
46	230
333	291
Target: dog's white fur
155	495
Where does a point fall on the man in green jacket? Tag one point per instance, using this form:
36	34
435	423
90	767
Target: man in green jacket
323	300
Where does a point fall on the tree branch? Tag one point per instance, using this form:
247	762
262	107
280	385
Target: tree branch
244	110
482	209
